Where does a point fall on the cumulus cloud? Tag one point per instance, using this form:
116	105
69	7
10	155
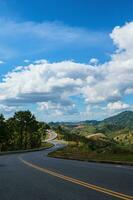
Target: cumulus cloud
115	78
122	36
115	107
118	105
58	108
45	83
51	85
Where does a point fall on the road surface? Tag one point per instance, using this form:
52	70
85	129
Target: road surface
34	176
51	135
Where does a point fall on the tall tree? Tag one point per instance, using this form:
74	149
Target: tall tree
3	133
26	126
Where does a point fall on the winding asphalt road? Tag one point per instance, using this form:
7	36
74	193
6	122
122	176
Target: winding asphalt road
34	176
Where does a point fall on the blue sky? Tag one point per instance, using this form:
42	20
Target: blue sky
75	33
93	15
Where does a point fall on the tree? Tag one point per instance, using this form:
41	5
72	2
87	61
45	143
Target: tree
22	131
3	133
13	135
42	129
26	126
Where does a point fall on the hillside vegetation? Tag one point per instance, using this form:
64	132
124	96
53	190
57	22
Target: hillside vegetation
110	139
122	120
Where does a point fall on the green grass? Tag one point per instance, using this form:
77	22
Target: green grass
117	155
46	144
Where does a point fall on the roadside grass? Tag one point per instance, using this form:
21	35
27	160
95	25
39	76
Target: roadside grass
84	153
43	146
46	144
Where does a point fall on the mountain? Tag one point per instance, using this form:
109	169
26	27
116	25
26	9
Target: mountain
116	122
86	122
90	122
122	120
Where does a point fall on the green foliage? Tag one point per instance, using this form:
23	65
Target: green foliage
4	138
22	131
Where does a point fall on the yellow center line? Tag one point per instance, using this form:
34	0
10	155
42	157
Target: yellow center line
82	183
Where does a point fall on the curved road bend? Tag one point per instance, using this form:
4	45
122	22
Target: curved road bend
34	176
51	135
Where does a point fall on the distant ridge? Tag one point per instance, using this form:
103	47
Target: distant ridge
121	120
90	122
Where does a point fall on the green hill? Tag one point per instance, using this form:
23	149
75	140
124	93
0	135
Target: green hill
120	121
117	124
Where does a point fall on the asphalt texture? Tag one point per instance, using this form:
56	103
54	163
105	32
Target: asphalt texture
19	181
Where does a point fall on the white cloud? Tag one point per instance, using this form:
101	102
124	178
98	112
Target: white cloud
93	61
51	85
114	79
122	36
118	105
45	80
48	107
